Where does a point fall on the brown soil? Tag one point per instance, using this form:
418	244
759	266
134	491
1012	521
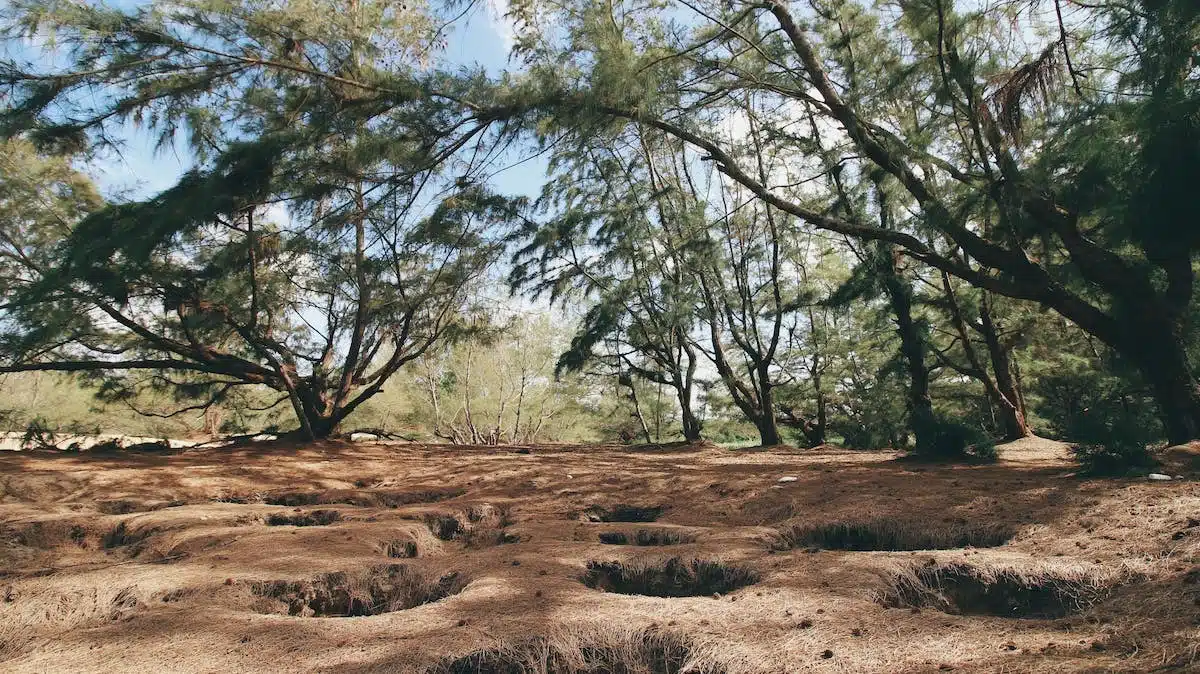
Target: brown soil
461	559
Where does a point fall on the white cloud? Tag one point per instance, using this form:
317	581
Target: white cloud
501	23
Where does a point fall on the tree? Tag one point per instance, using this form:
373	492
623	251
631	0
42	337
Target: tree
1074	207
329	235
499	387
615	235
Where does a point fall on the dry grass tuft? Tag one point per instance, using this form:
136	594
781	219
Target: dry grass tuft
647	537
893	535
314	518
674	577
600	650
966	589
380	589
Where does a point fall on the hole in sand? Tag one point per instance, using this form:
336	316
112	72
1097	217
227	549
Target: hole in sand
645	652
120	535
361	498
623	513
970	590
647	537
399	549
892	534
47	534
124	506
480	526
380	589
674	577
315	518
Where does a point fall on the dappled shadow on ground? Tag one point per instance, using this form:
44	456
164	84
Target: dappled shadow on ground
196	558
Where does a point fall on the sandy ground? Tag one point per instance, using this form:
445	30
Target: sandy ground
135	562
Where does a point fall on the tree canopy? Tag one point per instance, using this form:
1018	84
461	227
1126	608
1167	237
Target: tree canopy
735	189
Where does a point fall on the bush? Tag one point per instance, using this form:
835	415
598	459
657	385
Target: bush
948	440
1111	420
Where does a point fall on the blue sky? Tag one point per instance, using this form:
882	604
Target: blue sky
140	169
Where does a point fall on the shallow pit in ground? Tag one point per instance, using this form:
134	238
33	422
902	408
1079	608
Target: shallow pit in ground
674	577
622	513
399	548
366	498
965	589
645	652
379	589
313	518
479	526
647	537
893	535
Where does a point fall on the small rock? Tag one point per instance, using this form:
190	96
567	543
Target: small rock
827	654
805	624
790	478
462	623
1158	476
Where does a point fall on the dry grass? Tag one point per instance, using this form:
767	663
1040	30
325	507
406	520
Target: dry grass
177	590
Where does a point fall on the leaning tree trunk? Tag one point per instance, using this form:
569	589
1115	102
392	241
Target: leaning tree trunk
1011	400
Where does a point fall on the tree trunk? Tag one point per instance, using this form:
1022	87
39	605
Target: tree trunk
626	380
912	348
1159	352
768	427
691	425
1012	401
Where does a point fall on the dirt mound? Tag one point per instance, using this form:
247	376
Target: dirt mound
380	589
674	577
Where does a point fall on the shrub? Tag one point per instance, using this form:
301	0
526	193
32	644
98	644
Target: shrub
948	440
1111	420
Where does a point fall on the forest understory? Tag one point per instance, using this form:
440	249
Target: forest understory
336	557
